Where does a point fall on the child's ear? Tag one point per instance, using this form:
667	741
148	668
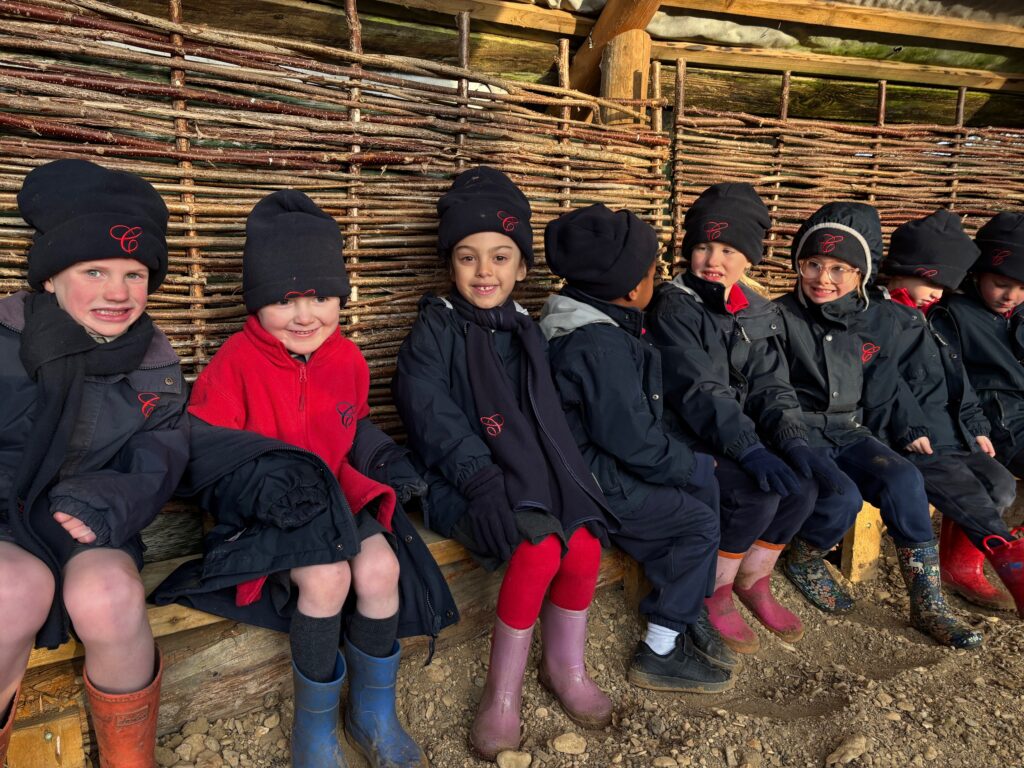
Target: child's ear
522	270
48	285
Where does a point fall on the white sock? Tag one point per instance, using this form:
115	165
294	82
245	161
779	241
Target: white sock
660	639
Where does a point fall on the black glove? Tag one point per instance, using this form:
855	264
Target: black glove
811	463
403	477
490	515
771	472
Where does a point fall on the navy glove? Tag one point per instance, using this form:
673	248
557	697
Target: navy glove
811	463
490	515
403	477
772	473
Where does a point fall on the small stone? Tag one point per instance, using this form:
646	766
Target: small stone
230	757
542	712
665	762
894	716
190	747
906	706
272	720
202	726
447	700
852	747
211	744
209	759
510	759
570	744
165	757
931	753
883	698
272	700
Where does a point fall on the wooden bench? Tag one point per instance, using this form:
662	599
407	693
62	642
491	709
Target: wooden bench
214	667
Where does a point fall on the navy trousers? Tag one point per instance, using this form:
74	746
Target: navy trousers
972	489
887	480
749	514
674	536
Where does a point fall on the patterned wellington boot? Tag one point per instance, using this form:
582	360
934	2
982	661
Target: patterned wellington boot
963	570
805	566
929	611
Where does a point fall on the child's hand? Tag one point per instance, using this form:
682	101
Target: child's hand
921	445
986	445
78	530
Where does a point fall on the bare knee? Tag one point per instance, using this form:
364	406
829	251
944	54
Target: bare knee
26	592
375	573
104	603
322	588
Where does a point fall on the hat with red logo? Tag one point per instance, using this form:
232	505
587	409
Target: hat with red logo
484	199
934	247
729	213
1001	240
83	212
850	232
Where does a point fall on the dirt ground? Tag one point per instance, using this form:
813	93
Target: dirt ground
864	686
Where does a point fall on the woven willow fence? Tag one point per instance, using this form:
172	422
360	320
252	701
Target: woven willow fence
217	119
905	171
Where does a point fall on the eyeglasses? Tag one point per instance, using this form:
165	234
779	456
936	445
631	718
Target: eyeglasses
837	273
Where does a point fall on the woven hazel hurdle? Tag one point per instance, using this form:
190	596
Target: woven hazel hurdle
217	119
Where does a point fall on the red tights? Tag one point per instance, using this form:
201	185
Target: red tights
534	567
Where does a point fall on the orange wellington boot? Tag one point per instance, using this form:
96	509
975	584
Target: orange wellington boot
7	727
125	723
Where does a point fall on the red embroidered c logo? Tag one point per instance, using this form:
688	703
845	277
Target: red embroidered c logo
868	351
1000	256
300	294
127	237
508	221
828	243
149	401
714	229
924	272
493	424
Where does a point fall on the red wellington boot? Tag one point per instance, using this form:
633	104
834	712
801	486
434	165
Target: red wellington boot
963	569
6	727
1007	557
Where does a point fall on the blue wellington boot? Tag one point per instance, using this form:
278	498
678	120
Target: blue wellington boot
315	730
370	719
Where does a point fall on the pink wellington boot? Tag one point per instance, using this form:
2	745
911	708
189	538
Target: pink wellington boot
496	727
724	617
760	601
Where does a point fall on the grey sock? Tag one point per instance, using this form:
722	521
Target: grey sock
315	645
374	637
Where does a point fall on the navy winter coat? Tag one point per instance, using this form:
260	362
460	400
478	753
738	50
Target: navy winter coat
610	381
992	349
127	452
725	375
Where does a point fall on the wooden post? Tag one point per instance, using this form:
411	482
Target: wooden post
624	71
617	16
862	545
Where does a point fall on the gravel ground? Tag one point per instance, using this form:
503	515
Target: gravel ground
860	690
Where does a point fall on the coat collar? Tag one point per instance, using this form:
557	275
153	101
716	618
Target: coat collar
629	319
275	351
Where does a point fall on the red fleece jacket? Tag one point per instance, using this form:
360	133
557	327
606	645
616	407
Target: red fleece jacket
253	383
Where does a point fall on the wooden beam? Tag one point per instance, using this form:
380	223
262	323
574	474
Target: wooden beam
869	19
512	14
769	60
618	16
625	67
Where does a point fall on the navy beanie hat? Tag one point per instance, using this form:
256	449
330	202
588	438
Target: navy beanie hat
83	211
292	249
935	248
603	253
730	213
850	232
1001	240
484	199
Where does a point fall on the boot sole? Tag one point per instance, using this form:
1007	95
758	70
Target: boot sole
675	684
368	757
586	722
735	666
974	598
744	648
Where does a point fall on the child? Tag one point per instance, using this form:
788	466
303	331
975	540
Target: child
948	441
664	494
834	338
726	381
983	325
474	390
290	374
92	444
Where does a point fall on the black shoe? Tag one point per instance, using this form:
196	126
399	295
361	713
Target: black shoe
708	644
681	670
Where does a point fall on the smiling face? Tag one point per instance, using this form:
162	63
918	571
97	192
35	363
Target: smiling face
824	279
718	263
485	268
922	292
1000	294
104	296
302	324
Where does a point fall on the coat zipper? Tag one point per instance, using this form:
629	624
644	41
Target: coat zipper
302	386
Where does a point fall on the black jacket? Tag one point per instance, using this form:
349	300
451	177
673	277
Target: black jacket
126	454
278	507
609	378
725	375
433	395
992	349
934	390
840	365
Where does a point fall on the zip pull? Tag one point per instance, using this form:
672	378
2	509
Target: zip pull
743	333
302	386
